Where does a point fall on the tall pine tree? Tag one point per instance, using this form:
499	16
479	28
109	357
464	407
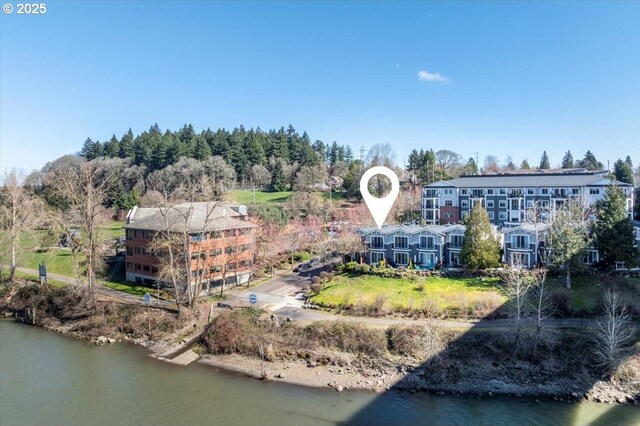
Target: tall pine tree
544	161
567	160
613	230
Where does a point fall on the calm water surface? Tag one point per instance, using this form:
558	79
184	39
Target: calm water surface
48	379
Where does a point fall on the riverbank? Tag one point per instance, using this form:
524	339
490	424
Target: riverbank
343	356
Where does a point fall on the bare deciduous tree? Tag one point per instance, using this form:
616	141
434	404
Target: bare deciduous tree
84	184
517	282
613	330
20	212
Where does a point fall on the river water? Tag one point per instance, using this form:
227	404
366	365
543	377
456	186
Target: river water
48	379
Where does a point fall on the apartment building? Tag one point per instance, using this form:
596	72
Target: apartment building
221	241
428	246
508	197
422	246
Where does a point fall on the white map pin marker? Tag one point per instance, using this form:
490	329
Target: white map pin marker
379	207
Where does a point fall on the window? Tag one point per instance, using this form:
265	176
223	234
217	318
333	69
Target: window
575	191
531	191
216	268
197	237
245	247
448	191
376	242
137	250
489	204
545	191
426	242
502	215
594	191
490	214
129	250
529	204
230	233
130	233
401	258
138	234
145	251
503	191
216	252
448	215
146	268
401	243
463	191
376	257
138	267
519	241
448	203
229	250
489	191
478	192
544	204
464	203
464	214
456	241
129	266
231	267
215	234
502	204
244	231
427	259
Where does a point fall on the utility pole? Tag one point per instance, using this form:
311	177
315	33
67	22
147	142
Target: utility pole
477	165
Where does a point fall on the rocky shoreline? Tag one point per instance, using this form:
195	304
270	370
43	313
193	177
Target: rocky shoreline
384	380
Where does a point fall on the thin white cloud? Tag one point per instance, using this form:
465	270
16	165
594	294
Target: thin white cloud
432	77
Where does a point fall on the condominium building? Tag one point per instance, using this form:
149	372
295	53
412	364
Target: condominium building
508	197
220	245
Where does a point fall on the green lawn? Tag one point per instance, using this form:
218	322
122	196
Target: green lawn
115	230
137	290
451	295
246	196
36	279
587	292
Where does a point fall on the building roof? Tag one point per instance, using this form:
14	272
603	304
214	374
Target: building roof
197	216
528	227
412	229
527	180
550	171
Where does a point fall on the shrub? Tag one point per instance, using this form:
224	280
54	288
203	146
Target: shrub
380	304
316	280
406	340
323	275
315	288
487	304
365	269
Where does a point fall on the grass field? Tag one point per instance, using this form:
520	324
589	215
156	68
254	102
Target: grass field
449	294
587	293
246	196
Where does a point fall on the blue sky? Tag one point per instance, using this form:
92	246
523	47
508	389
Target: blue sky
497	78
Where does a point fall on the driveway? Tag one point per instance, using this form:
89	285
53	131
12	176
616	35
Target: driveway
276	294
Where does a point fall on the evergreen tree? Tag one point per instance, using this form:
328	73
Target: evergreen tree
590	162
525	165
278	179
544	161
348	155
613	230
567	160
126	145
201	150
112	147
480	250
89	150
629	162
568	236
351	184
623	172
471	168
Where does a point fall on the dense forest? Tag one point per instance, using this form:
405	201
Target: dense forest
241	149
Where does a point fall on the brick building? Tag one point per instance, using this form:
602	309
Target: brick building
221	241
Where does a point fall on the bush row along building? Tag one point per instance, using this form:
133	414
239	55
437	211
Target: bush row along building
426	246
507	197
221	241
